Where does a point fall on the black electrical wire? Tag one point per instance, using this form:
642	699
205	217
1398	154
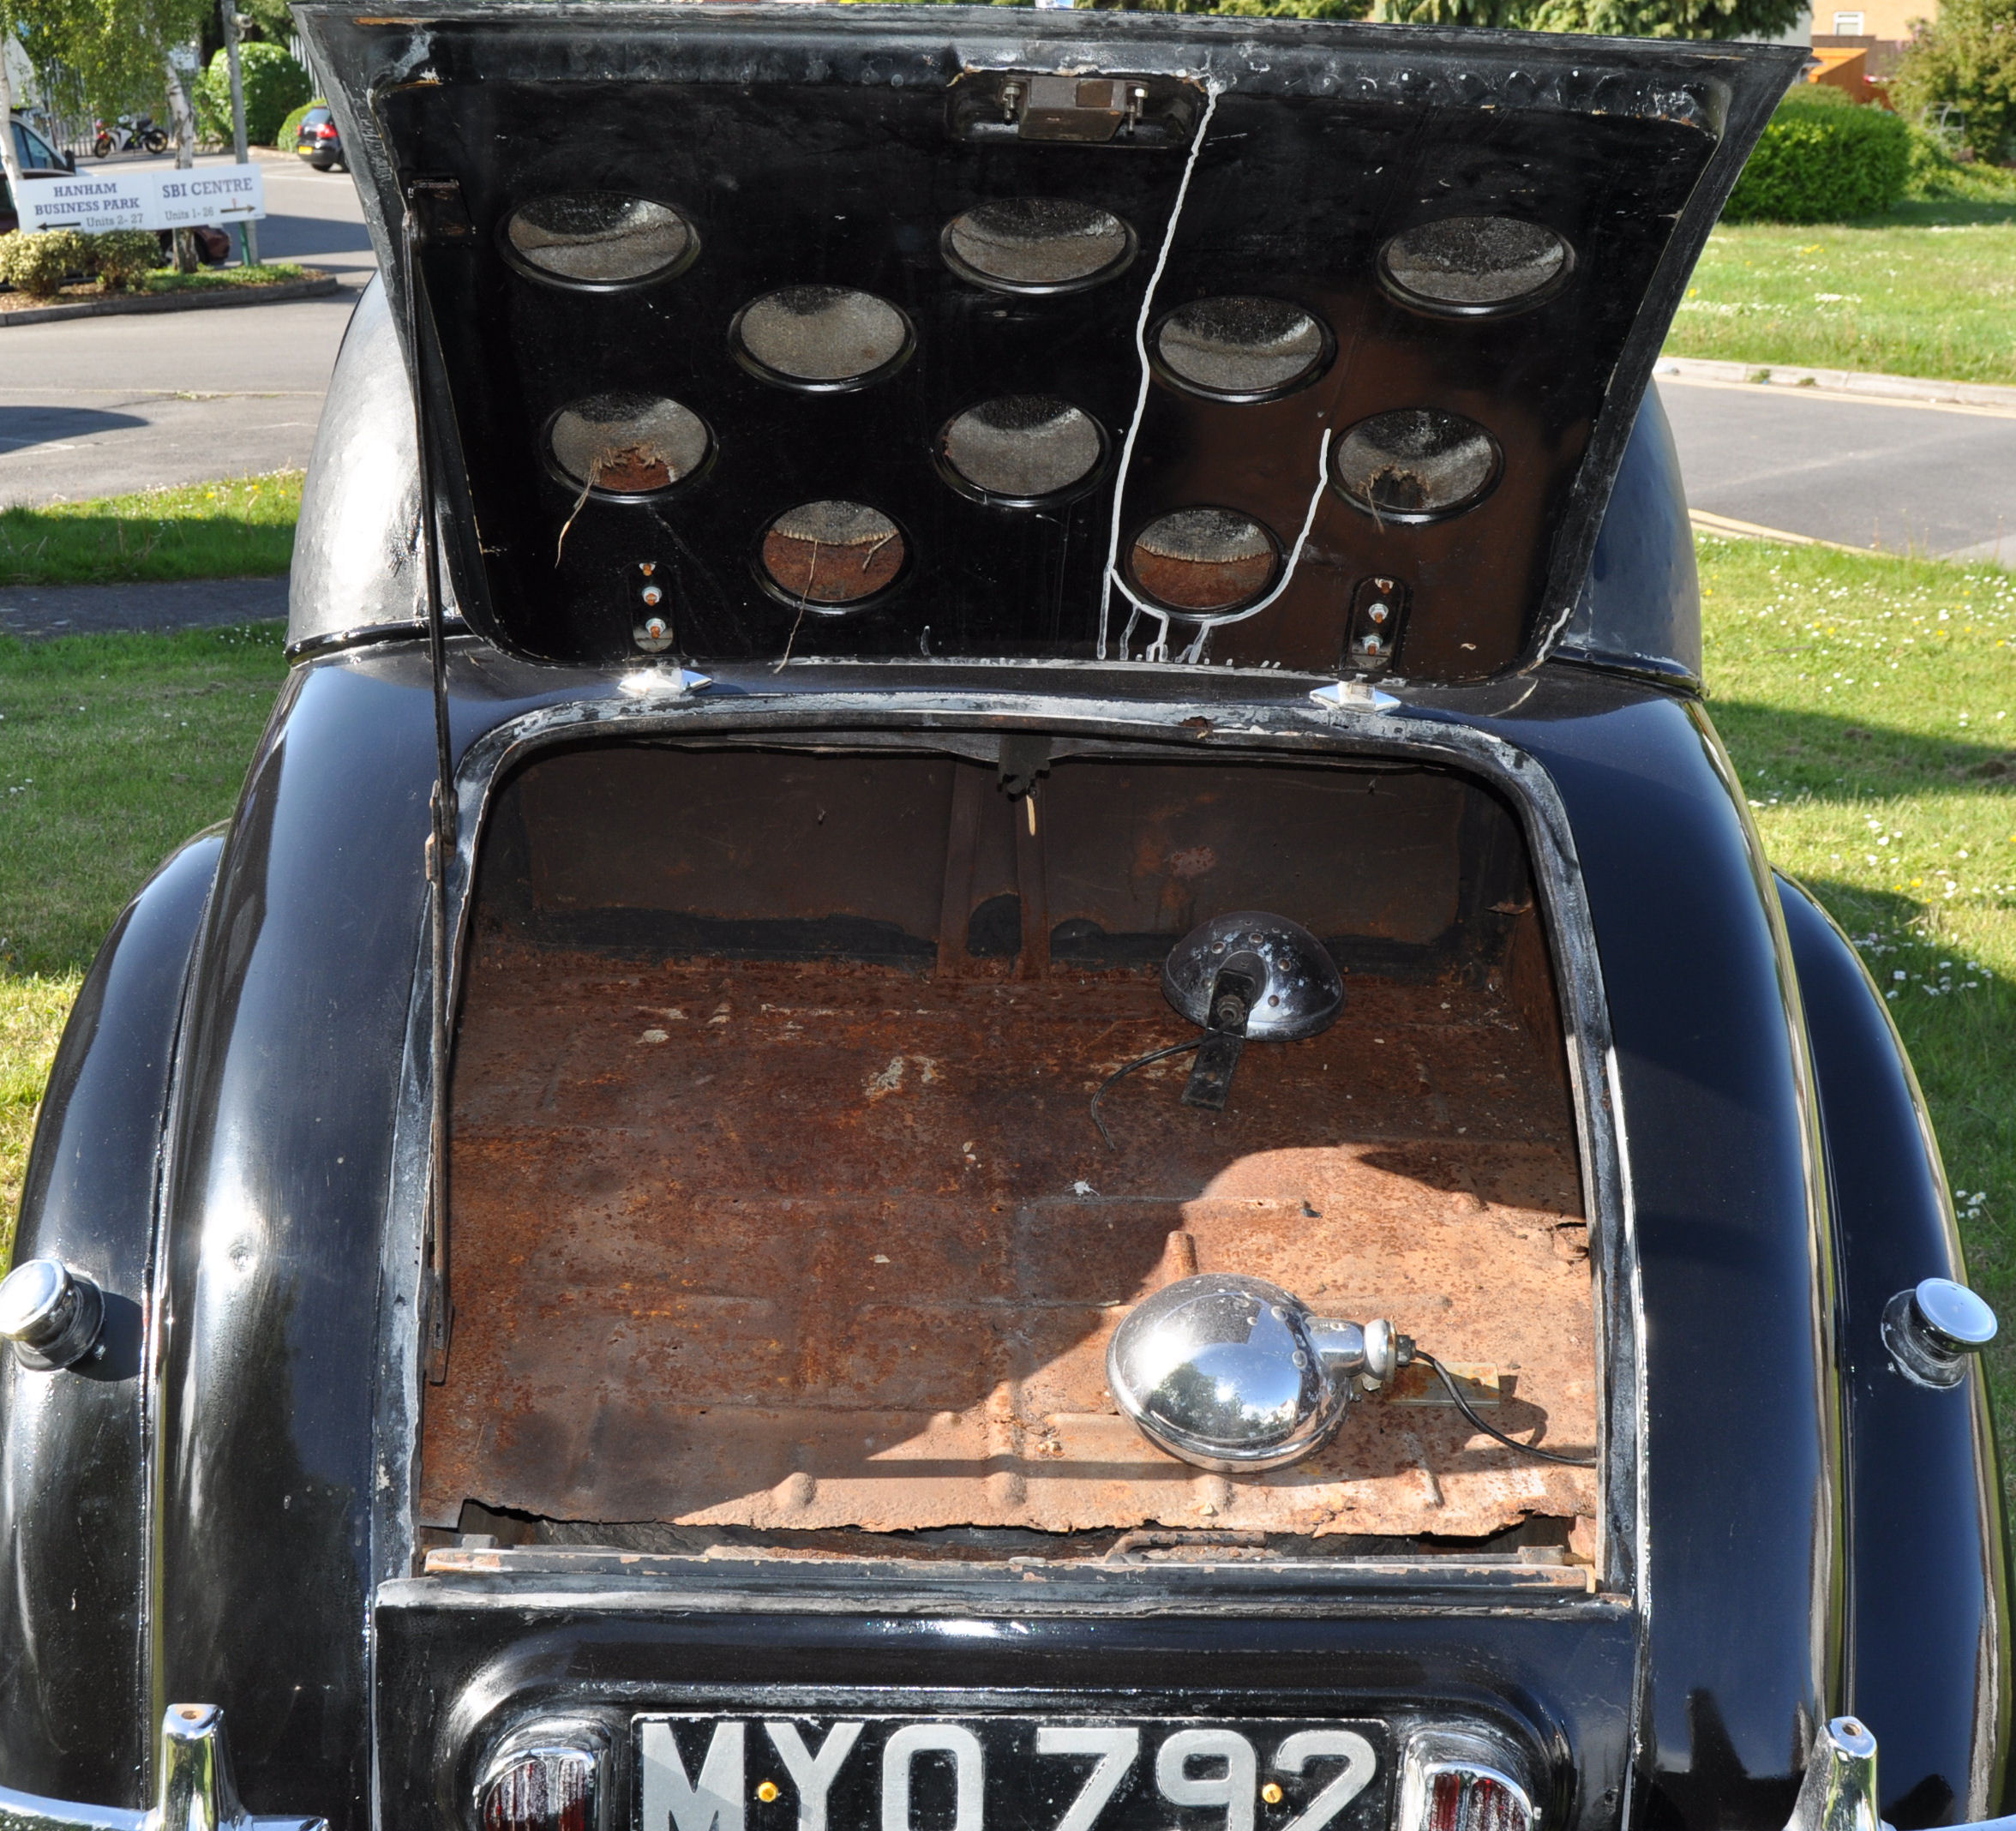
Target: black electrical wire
1511	1443
1139	1061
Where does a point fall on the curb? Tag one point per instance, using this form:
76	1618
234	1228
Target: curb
1730	528
197	300
1837	381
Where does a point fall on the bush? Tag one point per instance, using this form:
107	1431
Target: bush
275	83
1965	60
284	138
1822	158
38	264
122	258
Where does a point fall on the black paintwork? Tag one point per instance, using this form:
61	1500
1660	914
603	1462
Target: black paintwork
75	1704
464	1664
1926	1571
1641	606
813	149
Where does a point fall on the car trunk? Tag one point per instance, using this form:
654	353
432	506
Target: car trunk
781	1226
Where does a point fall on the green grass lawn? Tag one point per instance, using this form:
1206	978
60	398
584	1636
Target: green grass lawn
113	749
270	273
1930	290
241	528
1869	702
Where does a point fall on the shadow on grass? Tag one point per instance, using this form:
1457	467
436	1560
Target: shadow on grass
1940	213
1834	759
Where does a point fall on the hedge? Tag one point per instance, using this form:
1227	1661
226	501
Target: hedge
1822	158
40	264
275	83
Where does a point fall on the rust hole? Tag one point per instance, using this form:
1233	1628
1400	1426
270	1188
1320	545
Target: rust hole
1203	559
627	445
832	553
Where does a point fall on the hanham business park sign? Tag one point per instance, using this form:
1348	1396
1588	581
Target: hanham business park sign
144	197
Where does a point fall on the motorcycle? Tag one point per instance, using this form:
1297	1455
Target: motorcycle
128	134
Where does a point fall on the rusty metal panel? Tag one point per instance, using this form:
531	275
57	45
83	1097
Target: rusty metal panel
1114	848
1343	852
827	1245
741	834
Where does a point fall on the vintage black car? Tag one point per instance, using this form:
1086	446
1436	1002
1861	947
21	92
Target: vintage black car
991	1042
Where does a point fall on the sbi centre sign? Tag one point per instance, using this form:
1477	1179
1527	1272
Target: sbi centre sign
144	197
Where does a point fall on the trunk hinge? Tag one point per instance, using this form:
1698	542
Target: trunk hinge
434	207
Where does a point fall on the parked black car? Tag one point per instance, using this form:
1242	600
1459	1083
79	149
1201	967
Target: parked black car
599	1258
318	140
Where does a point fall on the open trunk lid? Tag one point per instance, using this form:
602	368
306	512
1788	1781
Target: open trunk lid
758	332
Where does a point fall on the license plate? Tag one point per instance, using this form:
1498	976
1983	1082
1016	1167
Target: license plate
721	1772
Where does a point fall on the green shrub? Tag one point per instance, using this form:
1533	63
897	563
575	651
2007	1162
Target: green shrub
275	83
284	138
1965	60
38	264
1936	177
122	258
1823	159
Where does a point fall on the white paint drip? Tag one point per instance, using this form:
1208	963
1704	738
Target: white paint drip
1155	279
1195	652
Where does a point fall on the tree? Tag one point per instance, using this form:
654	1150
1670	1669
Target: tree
1965	60
273	86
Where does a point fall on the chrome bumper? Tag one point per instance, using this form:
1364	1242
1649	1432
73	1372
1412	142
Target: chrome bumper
194	1789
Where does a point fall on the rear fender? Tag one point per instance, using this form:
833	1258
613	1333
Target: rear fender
74	1692
1929	1654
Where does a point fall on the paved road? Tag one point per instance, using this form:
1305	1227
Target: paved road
95	406
1899	475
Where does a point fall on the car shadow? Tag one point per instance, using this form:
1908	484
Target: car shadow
21	427
1785	755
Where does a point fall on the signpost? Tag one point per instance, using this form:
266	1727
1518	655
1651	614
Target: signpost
144	197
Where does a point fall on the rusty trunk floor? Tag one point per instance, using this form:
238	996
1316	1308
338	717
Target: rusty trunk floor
815	1245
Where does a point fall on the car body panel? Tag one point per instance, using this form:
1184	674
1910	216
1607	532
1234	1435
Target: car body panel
1780	1513
1925	1567
278	1374
76	1695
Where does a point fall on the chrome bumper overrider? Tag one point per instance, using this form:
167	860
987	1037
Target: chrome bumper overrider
194	1789
1839	1791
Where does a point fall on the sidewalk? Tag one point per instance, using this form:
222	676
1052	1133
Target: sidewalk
1979	394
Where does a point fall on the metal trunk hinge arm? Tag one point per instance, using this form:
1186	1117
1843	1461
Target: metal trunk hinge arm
438	1313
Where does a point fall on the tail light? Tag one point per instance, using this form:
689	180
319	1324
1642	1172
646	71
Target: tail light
546	1777
326	131
1457	1781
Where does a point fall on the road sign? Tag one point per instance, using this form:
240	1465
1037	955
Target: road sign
144	197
